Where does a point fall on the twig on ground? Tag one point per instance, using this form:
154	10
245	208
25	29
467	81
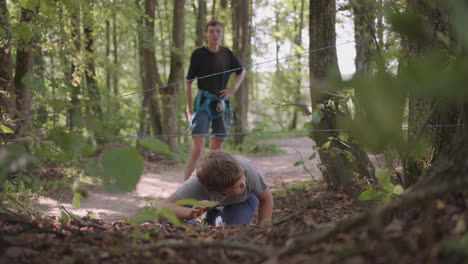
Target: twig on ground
81	223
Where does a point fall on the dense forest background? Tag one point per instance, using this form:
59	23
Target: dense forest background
79	76
96	87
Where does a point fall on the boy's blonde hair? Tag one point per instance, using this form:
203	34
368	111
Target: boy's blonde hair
219	170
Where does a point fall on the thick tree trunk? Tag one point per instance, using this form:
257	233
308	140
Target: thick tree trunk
336	165
149	68
424	112
24	67
7	90
90	73
241	18
201	23
171	95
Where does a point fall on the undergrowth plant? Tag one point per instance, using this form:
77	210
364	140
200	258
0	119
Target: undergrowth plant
384	190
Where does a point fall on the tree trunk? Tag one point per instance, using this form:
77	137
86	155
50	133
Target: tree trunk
336	165
108	59
213	11
163	29
298	42
171	95
74	113
90	73
241	18
24	68
149	68
201	23
363	33
115	76
7	90
422	111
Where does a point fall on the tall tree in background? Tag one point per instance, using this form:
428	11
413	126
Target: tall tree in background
201	23
241	18
73	75
433	19
338	162
90	72
7	91
171	94
115	76
24	70
149	70
298	26
364	34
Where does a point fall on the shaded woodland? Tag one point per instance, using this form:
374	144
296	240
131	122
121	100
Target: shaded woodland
95	87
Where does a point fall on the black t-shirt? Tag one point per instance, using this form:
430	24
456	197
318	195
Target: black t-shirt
203	62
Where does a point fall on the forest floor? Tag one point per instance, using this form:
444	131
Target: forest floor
300	232
161	180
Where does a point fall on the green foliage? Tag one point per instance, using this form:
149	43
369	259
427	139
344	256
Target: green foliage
379	125
13	158
70	144
22	31
6	130
193	202
120	169
291	188
34	83
78	194
385	190
152	212
29	4
155	144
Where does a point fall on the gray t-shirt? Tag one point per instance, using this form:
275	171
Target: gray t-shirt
255	183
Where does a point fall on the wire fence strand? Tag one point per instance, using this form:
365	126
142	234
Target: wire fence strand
177	83
215	134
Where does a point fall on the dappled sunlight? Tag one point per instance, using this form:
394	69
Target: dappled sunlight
153	186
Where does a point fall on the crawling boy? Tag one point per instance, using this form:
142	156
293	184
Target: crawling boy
234	182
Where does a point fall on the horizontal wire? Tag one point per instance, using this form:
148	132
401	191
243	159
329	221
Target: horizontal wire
177	83
214	134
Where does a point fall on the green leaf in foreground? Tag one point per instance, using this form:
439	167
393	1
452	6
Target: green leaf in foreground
145	214
122	169
6	129
367	195
170	216
193	202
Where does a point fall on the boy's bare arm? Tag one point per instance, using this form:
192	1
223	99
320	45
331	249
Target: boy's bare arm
235	86
188	99
265	209
180	211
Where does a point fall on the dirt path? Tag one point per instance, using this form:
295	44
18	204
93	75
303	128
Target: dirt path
162	180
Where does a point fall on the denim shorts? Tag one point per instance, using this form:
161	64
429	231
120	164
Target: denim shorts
234	214
219	127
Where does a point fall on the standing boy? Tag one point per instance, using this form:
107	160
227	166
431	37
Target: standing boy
211	65
234	182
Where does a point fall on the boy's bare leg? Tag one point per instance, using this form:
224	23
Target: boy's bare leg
198	144
216	144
